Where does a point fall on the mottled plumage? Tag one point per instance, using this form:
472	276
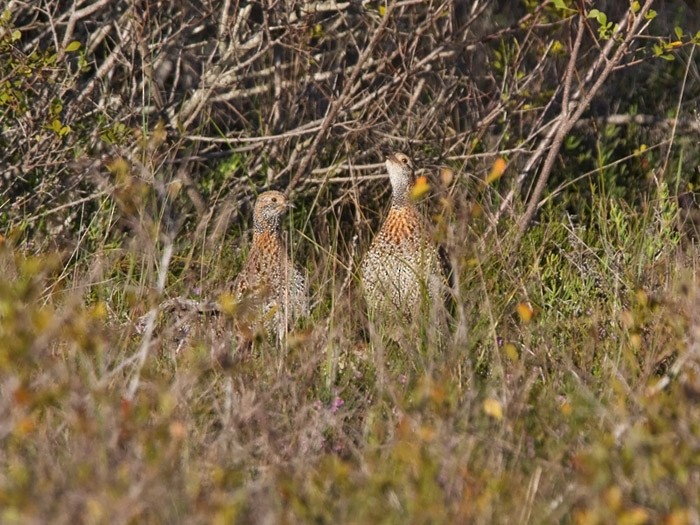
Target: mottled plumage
402	266
272	289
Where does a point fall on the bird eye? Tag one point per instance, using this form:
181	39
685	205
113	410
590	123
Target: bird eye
404	160
274	199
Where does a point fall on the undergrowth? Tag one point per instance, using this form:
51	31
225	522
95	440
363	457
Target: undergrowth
566	390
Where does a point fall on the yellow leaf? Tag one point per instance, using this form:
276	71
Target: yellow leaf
636	516
511	351
95	510
382	10
476	210
635	341
99	310
642	298
426	433
25	426
420	188
678	517
499	167
118	166
566	408
585	517
525	312
493	408
613	497
227	303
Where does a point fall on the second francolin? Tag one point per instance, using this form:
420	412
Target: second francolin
402	273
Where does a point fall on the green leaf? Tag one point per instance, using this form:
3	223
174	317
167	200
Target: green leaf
561	4
679	32
73	46
651	14
16	35
635	6
55	107
593	13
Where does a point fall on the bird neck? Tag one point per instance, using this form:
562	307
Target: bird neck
401	199
269	228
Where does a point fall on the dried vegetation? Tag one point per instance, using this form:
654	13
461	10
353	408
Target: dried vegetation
560	143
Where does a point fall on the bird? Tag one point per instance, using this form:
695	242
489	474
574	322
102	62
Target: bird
402	269
270	289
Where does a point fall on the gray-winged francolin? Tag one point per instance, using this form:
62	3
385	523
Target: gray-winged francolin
270	288
402	272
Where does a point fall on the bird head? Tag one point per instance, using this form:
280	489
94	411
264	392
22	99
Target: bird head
269	209
401	174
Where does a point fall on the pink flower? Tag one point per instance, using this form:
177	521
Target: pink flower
337	403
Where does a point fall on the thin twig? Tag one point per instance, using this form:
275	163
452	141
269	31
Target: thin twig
678	112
